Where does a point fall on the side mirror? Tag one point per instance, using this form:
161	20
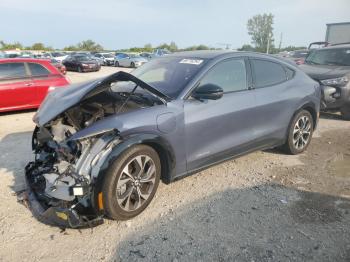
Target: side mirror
208	91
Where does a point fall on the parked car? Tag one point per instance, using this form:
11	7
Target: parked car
107	58
25	82
330	66
102	147
129	60
298	56
147	55
161	52
59	56
59	66
81	63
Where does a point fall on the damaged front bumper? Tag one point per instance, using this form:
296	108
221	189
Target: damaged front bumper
63	217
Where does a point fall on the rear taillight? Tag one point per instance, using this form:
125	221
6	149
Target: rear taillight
299	61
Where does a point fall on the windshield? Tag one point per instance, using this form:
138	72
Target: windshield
299	54
57	54
169	75
107	55
82	58
335	56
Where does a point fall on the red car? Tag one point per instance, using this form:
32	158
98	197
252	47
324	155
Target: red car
25	82
59	66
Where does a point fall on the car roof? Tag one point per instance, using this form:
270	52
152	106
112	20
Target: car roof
23	60
217	54
337	46
204	54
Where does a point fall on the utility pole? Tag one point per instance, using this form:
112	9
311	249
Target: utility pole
280	45
227	45
268	44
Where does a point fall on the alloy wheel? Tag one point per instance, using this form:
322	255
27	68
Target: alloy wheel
136	183
302	132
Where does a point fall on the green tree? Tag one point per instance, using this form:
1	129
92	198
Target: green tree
38	46
261	31
148	48
247	48
89	45
173	47
6	46
70	48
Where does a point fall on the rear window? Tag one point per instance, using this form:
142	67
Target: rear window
329	56
267	73
38	70
12	70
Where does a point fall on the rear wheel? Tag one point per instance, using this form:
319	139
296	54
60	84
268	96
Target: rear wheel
345	112
116	64
300	133
131	182
80	70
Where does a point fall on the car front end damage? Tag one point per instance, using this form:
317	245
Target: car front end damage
76	130
61	180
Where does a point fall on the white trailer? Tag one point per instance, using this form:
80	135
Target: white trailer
338	33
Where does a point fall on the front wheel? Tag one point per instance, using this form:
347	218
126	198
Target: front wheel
116	64
345	112
131	182
300	133
132	65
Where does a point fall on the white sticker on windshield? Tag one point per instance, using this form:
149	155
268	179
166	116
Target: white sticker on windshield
348	51
191	61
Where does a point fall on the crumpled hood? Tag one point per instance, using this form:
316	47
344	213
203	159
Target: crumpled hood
59	100
322	72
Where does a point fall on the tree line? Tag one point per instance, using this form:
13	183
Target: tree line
260	29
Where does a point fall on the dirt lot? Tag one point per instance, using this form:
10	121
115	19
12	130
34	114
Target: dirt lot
265	206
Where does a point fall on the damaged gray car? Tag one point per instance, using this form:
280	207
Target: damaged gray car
101	148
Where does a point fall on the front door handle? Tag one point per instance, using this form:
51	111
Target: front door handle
29	84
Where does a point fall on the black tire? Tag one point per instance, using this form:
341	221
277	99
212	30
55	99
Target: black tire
290	147
116	64
132	64
345	112
113	209
80	70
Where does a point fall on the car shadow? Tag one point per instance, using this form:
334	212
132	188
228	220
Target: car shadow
16	152
329	115
17	112
268	222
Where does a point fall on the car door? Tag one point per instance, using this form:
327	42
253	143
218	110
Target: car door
275	99
42	80
124	60
68	63
75	63
16	87
217	129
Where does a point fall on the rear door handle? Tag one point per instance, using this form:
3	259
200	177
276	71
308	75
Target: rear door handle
29	84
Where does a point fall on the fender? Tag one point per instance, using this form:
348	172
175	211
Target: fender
315	115
162	147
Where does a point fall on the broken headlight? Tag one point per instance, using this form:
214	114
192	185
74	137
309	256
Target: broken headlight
339	81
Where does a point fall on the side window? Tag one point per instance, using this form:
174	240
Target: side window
267	73
12	70
230	75
290	73
38	70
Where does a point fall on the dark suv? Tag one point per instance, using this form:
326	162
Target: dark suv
330	66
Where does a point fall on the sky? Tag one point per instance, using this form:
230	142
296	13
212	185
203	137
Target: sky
117	24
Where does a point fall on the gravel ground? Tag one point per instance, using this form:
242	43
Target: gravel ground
265	206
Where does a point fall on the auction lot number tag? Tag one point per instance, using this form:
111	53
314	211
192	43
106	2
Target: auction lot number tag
191	61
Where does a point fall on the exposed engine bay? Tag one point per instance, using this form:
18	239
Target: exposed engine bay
61	177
